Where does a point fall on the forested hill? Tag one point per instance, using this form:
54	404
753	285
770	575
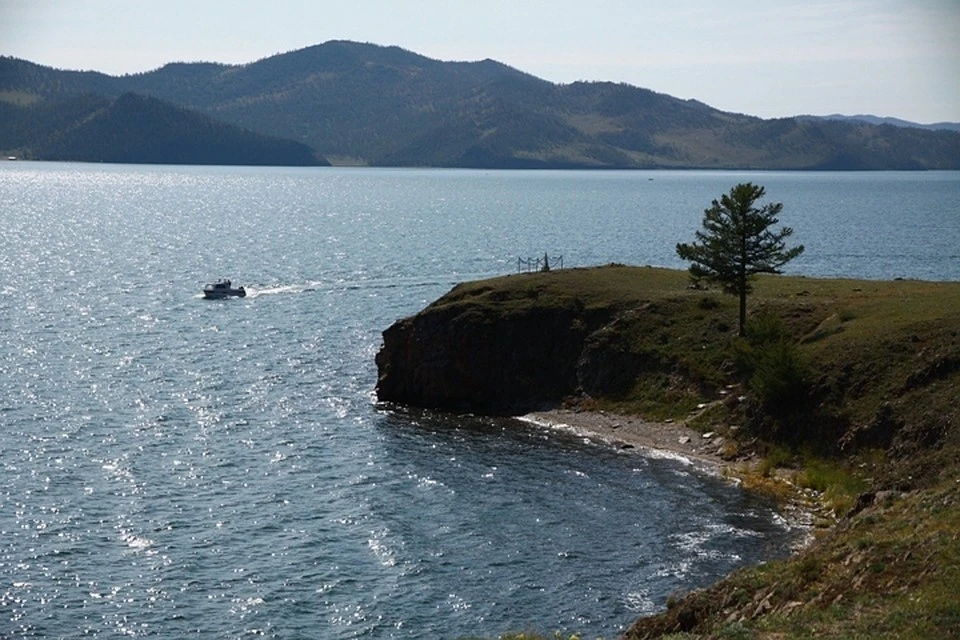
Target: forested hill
370	105
137	129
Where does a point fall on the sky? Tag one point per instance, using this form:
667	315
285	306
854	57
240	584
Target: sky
768	58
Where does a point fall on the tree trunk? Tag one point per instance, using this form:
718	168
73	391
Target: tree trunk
743	313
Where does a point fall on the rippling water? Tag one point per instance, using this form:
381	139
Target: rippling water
173	465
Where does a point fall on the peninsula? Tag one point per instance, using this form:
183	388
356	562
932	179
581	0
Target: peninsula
842	388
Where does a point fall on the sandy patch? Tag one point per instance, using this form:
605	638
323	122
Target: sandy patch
668	439
800	511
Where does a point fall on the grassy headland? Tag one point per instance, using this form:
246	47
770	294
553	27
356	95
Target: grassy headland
847	388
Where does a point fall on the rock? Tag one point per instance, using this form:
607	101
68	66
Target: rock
517	344
878	433
468	357
684	440
790	607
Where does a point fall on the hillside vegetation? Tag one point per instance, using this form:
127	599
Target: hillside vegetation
874	353
132	128
847	388
364	104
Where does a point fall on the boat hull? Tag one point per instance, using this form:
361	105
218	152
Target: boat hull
219	293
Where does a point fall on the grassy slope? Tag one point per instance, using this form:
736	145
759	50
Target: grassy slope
884	362
867	342
891	571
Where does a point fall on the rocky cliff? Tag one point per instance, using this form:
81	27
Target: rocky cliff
509	345
876	363
462	356
529	341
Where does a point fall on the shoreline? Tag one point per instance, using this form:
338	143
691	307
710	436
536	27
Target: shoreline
660	439
801	509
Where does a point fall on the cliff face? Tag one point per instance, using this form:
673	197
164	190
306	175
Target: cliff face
475	359
515	344
519	343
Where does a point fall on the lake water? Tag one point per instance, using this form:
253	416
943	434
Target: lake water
175	466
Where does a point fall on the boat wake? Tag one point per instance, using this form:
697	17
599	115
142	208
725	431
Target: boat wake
256	291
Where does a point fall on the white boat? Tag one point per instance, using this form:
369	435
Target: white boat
222	289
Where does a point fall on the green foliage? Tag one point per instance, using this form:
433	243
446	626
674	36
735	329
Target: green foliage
778	376
777	457
889	571
136	129
838	484
736	243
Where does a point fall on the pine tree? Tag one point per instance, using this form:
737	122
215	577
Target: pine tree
737	242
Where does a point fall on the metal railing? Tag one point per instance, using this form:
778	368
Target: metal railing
539	264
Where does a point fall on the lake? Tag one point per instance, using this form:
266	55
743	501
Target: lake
177	466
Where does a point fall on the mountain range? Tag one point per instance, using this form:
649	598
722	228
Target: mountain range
350	103
896	122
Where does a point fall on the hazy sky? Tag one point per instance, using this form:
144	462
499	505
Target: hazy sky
767	58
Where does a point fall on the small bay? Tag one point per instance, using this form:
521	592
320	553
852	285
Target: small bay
173	465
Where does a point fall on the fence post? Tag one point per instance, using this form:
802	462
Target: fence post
538	264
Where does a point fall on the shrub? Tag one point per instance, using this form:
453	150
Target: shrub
839	486
775	371
779	377
777	457
769	360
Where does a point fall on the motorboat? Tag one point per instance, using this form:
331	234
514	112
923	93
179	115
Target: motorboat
222	288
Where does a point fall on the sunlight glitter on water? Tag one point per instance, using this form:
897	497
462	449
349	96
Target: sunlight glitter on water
178	466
